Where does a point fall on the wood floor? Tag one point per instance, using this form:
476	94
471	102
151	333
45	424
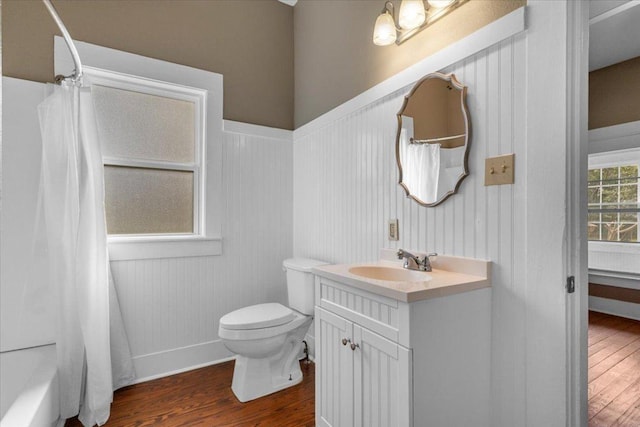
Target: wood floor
203	397
614	371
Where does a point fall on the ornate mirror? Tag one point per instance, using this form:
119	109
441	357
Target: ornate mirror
432	144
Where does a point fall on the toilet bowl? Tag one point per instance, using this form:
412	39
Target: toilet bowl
267	338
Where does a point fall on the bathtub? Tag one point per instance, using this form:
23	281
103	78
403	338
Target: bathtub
29	388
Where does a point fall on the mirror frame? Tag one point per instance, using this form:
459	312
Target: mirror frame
451	78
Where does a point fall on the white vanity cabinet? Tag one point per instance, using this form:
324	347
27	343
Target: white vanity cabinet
384	362
363	375
363	379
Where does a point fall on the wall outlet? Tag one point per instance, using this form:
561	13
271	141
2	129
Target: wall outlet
499	170
393	229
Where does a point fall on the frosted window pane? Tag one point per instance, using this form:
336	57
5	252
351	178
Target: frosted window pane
147	201
142	126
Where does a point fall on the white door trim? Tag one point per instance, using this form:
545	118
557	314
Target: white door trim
576	236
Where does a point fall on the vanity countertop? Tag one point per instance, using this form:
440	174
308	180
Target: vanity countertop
450	275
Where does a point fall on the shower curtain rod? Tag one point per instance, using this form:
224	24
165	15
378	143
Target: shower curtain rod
77	73
435	140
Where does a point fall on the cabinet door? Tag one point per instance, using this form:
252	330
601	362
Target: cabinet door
382	381
334	370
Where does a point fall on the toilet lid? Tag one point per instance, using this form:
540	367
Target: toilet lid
257	317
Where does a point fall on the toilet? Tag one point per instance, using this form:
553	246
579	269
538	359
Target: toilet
267	338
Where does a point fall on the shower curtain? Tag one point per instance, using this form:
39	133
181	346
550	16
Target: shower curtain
420	165
93	352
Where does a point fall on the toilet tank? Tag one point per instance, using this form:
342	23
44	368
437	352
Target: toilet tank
300	283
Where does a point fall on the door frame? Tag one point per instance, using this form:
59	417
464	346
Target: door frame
576	220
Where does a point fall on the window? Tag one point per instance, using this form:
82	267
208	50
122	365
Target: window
152	143
613	207
163	82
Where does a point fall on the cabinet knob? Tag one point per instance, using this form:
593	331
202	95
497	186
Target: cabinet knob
354	346
345	341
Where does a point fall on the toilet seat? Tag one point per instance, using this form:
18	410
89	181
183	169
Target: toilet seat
261	333
257	316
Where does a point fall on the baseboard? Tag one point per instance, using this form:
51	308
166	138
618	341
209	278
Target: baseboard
621	280
614	307
162	364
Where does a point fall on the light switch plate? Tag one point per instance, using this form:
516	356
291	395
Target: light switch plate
499	170
393	229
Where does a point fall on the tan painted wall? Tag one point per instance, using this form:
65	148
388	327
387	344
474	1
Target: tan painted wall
437	112
249	42
614	94
335	58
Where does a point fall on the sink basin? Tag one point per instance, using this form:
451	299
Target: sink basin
389	274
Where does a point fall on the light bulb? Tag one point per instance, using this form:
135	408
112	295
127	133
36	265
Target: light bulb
439	4
384	32
412	14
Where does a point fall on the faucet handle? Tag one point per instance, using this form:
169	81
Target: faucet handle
426	262
400	253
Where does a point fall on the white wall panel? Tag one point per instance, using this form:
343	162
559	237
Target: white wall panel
346	189
171	306
175	303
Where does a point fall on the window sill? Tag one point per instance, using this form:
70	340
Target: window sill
621	247
123	248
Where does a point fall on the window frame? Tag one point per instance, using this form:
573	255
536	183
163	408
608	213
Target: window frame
604	207
607	257
111	79
210	241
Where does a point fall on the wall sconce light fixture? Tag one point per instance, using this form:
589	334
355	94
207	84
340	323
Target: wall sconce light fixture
413	17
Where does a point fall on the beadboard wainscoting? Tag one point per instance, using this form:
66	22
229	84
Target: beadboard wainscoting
346	189
171	306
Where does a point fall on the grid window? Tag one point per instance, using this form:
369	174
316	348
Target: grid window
613	208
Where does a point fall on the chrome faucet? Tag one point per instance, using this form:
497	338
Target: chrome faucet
413	262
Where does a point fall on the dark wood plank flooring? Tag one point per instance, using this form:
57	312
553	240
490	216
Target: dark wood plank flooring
614	371
203	397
